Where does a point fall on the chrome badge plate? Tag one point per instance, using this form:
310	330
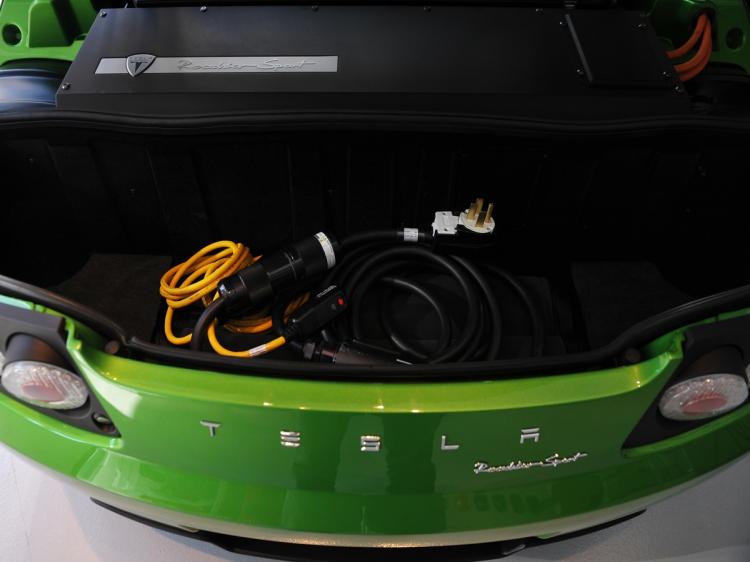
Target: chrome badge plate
136	65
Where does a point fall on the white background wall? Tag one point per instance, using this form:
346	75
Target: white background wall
44	520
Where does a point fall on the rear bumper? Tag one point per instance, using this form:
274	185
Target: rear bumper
418	489
198	527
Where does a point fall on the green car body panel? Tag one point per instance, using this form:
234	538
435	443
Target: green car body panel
167	458
43	29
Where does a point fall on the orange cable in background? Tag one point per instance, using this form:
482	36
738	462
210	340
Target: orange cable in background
703	51
689	75
690	43
691	68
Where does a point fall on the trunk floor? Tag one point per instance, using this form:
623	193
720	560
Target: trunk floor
614	296
123	287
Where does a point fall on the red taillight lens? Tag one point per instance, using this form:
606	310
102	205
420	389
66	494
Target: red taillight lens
707	402
703	397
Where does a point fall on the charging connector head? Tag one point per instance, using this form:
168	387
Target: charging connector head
349	353
315	314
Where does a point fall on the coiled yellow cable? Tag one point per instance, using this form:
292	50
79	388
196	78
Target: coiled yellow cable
197	279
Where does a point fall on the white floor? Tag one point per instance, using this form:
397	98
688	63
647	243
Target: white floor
43	520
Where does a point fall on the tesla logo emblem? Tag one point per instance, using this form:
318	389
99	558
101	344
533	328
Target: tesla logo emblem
369	444
290	438
530	434
212	427
137	64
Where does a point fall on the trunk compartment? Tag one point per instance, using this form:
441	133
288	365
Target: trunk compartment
603	233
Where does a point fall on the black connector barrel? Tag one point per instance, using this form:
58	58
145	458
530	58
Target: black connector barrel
257	284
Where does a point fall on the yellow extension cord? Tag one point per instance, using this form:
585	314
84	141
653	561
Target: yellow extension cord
196	280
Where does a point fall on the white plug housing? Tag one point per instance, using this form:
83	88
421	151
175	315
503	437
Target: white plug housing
445	223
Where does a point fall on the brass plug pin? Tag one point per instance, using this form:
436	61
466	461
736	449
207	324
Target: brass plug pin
480	219
490	208
479	204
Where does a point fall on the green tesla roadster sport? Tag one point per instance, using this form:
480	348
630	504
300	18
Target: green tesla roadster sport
367	280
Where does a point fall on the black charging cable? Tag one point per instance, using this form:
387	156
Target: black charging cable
376	261
394	259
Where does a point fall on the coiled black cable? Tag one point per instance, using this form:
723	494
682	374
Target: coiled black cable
381	263
372	259
537	323
399	342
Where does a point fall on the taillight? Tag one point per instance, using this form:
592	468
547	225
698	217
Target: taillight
703	397
44	385
37	370
37	374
